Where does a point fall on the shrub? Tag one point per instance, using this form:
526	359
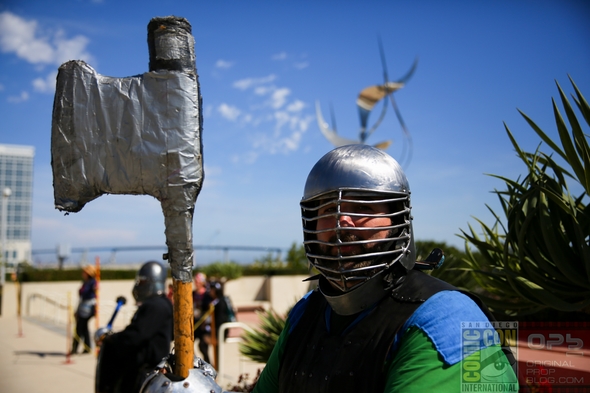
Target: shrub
541	258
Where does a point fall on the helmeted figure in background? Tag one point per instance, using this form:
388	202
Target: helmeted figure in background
86	309
375	324
206	295
128	356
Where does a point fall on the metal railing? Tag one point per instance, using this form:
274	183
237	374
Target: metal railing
54	307
48	306
222	343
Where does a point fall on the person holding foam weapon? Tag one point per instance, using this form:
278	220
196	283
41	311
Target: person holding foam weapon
128	356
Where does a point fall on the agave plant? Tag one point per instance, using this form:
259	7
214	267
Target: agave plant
258	344
541	258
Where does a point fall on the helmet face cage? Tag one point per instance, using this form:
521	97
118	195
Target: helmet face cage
373	255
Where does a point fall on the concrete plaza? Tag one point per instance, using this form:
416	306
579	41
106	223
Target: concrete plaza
33	346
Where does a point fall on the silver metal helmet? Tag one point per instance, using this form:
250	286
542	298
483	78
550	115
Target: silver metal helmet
149	281
356	216
200	379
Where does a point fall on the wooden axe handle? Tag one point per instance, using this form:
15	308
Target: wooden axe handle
183	327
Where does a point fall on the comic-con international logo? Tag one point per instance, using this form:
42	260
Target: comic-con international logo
484	368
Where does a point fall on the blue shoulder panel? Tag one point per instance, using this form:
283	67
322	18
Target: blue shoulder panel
441	318
297	311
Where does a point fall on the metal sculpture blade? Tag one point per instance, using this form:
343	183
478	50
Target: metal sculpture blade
330	134
366	102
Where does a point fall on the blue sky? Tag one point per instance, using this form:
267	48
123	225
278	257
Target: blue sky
262	65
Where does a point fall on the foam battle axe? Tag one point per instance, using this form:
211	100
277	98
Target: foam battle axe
138	135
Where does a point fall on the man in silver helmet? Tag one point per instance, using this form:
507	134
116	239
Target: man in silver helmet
127	356
375	324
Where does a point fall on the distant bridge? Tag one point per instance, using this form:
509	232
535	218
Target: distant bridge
61	253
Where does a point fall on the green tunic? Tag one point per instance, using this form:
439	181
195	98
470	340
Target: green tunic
415	364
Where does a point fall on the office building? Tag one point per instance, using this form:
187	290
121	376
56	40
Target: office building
16	175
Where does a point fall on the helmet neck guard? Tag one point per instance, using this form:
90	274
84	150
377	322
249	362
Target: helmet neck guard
363	296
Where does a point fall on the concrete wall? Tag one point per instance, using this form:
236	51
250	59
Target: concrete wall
249	292
285	291
51	299
279	293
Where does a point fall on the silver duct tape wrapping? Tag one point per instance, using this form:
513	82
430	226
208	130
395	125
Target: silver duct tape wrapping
137	135
178	218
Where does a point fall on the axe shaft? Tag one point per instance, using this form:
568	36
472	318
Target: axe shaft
178	219
183	327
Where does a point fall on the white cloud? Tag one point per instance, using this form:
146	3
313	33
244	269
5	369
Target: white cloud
279	97
23	38
26	40
228	112
18	35
296	106
287	133
295	123
23	96
302	65
263	90
282	119
247	83
276	123
46	85
279	56
70	49
292	143
246	158
223	64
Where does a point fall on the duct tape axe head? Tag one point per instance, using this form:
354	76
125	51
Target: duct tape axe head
138	135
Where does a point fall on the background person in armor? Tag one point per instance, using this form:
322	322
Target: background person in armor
127	356
85	310
374	324
214	296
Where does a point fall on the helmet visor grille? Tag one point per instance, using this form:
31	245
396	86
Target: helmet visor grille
351	236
